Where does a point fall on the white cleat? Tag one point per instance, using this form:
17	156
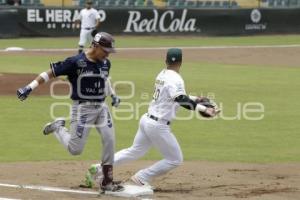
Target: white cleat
138	181
52	126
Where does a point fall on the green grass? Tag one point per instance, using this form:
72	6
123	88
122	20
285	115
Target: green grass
273	139
148	41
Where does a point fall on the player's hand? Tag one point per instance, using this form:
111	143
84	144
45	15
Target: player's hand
115	100
23	93
94	32
211	107
212	112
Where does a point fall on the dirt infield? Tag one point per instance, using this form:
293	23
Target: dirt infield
192	180
9	83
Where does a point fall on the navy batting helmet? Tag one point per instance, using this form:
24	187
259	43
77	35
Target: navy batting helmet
105	40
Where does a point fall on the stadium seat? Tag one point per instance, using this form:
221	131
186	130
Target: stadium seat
199	4
277	3
81	3
207	4
111	3
121	3
234	4
37	2
190	4
271	3
180	3
149	3
216	4
171	3
294	3
225	4
131	3
284	3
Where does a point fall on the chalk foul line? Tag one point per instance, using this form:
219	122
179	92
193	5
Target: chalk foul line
49	189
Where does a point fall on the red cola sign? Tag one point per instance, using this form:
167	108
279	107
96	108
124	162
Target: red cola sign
167	21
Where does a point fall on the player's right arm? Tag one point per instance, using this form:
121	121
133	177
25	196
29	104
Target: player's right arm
77	21
44	77
57	69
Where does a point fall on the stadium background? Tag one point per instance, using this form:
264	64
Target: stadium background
227	158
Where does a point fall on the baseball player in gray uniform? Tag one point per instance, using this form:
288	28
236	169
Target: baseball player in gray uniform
90	22
154	128
88	74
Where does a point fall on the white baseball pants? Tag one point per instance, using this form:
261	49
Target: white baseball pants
85	37
152	134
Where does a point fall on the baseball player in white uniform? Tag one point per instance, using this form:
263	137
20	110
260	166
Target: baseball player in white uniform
154	128
90	21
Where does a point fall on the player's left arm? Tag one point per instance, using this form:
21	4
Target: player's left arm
190	103
178	93
109	89
111	92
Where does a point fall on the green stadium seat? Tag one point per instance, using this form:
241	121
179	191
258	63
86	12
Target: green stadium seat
285	3
121	3
225	4
199	4
271	3
131	3
81	3
180	3
149	3
234	4
190	4
216	4
171	3
207	4
141	3
111	3
294	3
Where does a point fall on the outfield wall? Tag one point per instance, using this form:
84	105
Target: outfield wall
54	22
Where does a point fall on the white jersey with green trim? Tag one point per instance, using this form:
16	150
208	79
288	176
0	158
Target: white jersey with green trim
168	86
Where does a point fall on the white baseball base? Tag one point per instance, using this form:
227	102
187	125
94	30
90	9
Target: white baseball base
133	191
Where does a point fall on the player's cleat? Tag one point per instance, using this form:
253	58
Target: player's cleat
94	175
52	126
112	187
138	181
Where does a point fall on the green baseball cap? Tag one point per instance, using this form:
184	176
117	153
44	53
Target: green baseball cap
174	55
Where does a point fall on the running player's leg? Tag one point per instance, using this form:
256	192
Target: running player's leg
166	143
105	128
140	146
83	116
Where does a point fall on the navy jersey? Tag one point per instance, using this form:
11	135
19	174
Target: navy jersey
87	78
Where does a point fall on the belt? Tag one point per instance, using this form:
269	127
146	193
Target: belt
157	119
89	28
89	101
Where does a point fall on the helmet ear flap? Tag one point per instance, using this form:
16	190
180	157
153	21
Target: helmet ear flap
94	44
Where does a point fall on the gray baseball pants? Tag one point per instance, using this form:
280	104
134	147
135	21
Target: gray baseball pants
85	116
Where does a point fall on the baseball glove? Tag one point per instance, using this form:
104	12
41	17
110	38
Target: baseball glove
94	32
209	104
